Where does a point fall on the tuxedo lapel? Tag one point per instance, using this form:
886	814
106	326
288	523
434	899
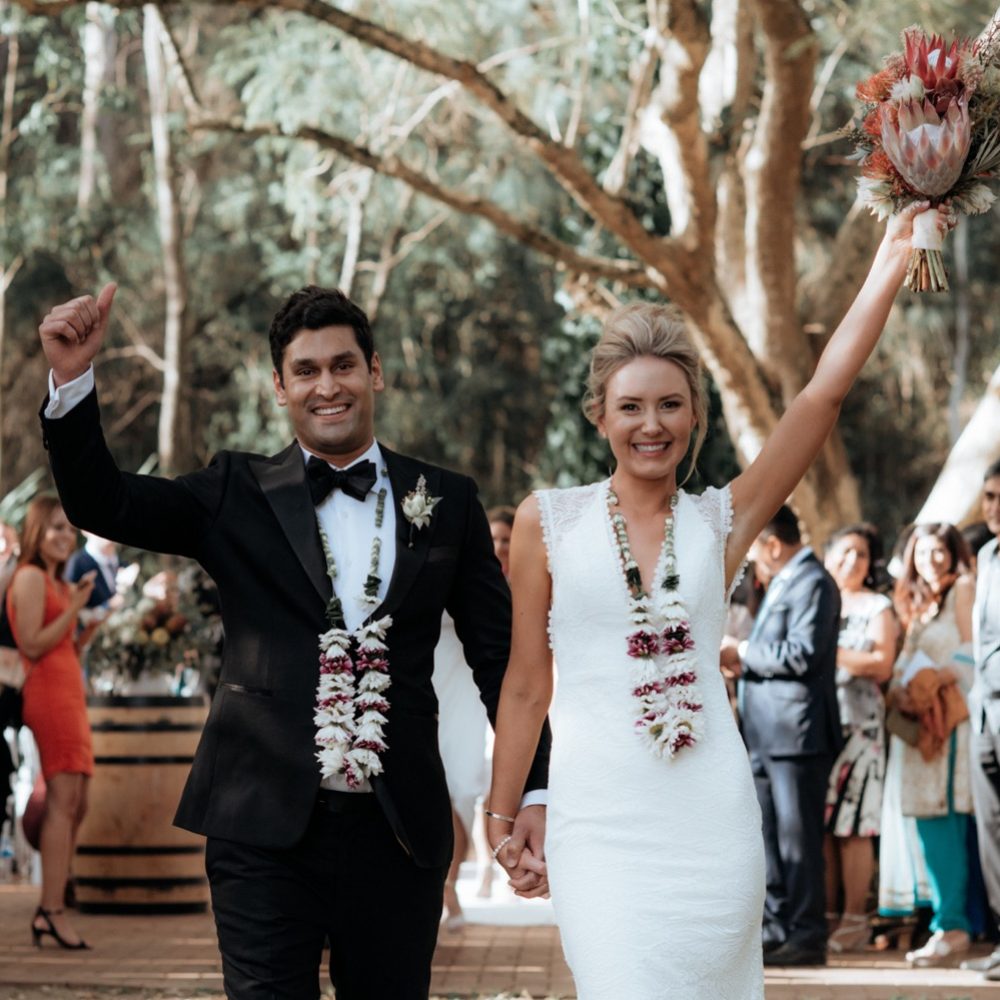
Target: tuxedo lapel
282	477
411	545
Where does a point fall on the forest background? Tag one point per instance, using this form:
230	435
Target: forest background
487	180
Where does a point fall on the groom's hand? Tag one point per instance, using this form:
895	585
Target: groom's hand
72	333
528	872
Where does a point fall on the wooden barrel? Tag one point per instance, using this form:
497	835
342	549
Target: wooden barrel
130	858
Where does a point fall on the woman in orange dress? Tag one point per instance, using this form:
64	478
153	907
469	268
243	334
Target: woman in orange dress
42	609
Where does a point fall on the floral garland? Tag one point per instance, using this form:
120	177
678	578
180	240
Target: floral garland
668	712
351	704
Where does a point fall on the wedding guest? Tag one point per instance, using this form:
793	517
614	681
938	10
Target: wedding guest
501	525
788	708
927	777
98	556
984	709
43	609
977	535
866	650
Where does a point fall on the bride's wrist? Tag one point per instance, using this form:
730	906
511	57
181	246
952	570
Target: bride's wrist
502	817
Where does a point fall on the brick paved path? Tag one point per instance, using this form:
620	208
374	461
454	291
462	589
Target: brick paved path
176	956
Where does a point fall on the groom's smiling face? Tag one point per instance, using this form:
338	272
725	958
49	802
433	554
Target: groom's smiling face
329	391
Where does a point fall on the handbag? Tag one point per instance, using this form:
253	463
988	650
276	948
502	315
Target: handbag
906	727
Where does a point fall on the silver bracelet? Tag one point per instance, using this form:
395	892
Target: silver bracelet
503	843
493	815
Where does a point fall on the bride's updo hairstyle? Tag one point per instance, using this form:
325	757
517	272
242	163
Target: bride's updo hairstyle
645	330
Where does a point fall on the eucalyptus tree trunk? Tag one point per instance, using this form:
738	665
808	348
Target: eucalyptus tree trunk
98	43
8	267
955	496
174	442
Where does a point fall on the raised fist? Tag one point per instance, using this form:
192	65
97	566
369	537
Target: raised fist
72	333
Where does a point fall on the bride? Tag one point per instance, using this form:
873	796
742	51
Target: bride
653	847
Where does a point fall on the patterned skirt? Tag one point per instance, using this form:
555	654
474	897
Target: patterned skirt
854	795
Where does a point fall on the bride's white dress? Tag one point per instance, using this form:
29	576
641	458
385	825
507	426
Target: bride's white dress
656	865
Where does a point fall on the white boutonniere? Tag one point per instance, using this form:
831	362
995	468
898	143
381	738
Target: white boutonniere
418	507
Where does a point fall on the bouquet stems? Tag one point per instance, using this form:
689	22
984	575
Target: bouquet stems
926	272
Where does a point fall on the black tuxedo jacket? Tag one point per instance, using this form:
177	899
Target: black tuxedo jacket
250	522
82	562
788	704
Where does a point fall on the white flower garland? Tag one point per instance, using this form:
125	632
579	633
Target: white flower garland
351	703
664	674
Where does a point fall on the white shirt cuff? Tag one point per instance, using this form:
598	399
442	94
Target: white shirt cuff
63	398
537	797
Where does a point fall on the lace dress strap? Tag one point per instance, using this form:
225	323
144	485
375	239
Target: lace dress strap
716	508
561	510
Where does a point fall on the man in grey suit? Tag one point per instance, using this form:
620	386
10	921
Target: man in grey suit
984	711
788	710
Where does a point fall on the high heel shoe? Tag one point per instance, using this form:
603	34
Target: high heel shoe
37	933
853	934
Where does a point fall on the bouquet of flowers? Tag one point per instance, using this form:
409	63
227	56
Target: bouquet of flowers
167	629
930	131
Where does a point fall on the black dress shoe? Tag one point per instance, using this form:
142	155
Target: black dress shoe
793	954
771	944
984	964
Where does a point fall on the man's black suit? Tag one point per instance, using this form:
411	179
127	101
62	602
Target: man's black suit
788	711
250	522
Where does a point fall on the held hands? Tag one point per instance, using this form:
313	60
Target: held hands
72	334
520	849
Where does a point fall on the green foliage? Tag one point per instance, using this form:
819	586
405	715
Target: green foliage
485	355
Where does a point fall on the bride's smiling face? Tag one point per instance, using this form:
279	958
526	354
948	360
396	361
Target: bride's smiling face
648	417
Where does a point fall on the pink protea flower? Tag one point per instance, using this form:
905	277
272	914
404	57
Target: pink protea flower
935	63
927	148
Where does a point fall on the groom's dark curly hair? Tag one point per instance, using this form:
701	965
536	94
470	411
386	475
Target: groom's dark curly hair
312	308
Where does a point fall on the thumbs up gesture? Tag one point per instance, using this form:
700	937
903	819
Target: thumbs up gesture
72	333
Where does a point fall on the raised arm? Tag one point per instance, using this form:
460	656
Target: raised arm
144	511
761	489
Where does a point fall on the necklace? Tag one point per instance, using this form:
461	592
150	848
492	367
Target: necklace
664	669
351	705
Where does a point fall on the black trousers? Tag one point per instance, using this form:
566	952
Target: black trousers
347	881
792	794
985	779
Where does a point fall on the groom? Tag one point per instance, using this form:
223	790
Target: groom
356	855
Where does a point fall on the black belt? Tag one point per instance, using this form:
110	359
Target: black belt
346	803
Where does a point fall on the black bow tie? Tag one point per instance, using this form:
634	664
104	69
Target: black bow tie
323	480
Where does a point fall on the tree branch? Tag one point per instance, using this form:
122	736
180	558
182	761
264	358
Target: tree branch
626	271
671	127
643	76
772	171
612	212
